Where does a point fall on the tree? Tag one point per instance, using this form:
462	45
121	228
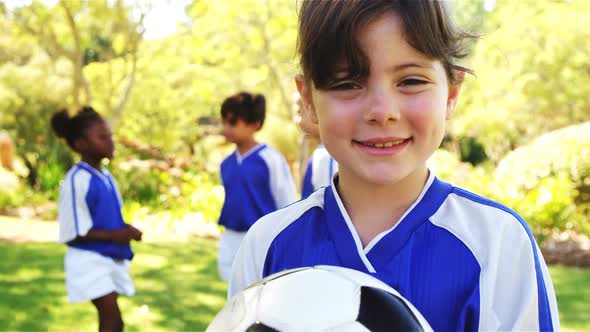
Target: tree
226	47
43	69
531	77
75	29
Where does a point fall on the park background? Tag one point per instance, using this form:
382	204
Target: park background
521	135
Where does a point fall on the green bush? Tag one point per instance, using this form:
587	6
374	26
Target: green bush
50	177
448	166
147	189
472	150
15	193
141	183
10	190
547	180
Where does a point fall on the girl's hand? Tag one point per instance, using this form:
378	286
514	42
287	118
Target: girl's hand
136	233
125	235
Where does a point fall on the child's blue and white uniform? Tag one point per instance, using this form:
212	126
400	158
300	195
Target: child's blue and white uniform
257	183
89	199
466	263
320	169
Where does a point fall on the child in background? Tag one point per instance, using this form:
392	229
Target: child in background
380	78
320	166
256	177
90	220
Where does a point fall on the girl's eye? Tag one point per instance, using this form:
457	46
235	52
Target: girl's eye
412	81
345	86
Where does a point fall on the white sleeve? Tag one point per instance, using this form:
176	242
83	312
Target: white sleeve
516	292
282	185
248	266
518	289
324	167
73	213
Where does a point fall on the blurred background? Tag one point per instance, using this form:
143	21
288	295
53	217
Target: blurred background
158	71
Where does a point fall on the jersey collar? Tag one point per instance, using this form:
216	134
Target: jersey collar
250	152
387	244
103	174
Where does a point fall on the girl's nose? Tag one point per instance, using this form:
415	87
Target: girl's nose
383	108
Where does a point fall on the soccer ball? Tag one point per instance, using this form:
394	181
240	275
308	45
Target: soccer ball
319	298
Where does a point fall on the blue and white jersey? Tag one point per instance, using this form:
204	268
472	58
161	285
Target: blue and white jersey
320	169
89	199
466	263
257	183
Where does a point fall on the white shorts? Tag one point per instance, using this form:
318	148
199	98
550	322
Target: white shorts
229	243
90	275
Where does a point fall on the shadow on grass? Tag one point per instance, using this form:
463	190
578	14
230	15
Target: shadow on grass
177	288
184	287
31	283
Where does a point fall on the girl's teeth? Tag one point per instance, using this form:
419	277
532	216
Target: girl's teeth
385	145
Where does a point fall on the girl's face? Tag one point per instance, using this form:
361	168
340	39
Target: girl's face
97	142
382	130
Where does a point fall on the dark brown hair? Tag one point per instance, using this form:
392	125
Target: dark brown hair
328	35
72	128
249	107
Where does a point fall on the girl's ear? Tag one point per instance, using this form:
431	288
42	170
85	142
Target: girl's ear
453	97
304	89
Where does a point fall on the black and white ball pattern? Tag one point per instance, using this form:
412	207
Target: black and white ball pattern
320	298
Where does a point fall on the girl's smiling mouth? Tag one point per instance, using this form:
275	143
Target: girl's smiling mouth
382	145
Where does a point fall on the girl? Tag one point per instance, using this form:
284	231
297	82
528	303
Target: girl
380	79
90	220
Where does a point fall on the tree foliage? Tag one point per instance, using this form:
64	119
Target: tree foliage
532	67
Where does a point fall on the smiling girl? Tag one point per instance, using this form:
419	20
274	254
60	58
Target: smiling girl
380	80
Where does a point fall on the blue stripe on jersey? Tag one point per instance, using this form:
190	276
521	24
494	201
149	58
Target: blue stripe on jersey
74	201
307	187
545	319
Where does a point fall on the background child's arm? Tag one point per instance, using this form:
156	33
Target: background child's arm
124	235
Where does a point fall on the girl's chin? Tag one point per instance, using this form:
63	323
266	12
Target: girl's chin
383	182
392	177
381	179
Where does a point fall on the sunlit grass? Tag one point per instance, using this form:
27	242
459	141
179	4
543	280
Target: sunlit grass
177	290
572	286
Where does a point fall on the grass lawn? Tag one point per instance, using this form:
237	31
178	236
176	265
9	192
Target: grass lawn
177	290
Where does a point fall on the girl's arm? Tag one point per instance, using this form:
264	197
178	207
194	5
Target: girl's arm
124	235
